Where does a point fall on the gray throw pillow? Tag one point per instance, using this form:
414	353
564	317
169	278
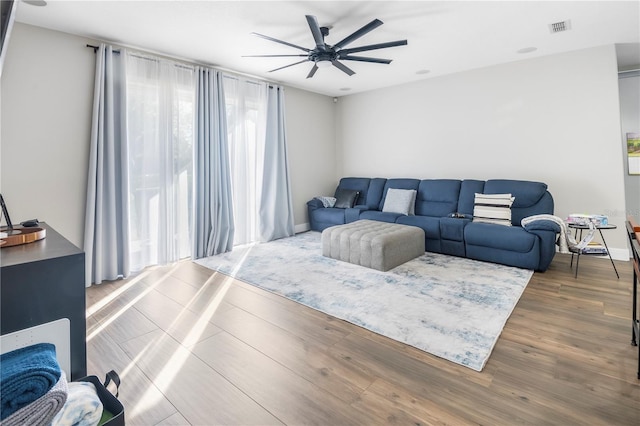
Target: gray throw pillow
327	201
400	201
345	198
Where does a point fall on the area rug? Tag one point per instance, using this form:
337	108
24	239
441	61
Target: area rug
448	306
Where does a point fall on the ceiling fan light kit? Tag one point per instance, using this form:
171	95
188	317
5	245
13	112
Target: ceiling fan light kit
325	55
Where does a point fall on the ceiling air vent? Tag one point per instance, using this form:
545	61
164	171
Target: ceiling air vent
558	27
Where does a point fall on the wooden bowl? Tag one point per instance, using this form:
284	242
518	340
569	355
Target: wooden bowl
20	235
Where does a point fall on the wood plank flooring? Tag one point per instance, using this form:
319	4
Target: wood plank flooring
197	347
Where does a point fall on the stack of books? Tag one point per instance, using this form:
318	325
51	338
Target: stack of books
595	248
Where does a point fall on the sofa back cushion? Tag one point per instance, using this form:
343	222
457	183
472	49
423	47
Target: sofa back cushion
374	195
530	197
437	197
468	189
355	184
397	184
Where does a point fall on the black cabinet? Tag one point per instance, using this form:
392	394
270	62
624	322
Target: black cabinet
45	281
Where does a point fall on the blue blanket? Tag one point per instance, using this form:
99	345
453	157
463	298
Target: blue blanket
26	374
41	411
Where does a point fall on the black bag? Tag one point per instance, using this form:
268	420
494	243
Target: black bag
113	411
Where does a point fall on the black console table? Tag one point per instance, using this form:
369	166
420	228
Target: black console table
42	282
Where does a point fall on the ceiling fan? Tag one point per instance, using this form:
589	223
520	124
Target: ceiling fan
325	55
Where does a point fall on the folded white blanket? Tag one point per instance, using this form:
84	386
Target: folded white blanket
83	407
566	242
41	411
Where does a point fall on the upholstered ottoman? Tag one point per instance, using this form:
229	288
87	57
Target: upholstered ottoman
374	244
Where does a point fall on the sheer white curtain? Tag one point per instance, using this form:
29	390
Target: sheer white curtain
160	119
246	120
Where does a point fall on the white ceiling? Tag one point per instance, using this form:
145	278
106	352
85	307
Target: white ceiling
443	36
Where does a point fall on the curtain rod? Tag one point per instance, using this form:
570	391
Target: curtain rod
235	73
95	48
235	77
628	73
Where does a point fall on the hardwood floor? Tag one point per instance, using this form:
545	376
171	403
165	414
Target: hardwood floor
196	347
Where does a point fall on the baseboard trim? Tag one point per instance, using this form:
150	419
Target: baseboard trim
619	253
303	227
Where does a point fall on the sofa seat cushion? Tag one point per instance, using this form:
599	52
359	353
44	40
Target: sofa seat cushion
511	238
329	215
380	216
430	225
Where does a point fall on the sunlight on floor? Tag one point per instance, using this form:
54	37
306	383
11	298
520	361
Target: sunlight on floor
174	365
176	361
114	295
116	315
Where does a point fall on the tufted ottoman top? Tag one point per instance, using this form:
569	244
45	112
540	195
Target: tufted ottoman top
374	244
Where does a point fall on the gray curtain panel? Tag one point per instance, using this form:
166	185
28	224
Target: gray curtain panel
276	206
213	226
106	235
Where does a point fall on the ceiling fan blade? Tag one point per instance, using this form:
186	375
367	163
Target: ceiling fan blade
290	65
356	35
313	71
365	59
315	30
373	47
343	68
280	41
273	56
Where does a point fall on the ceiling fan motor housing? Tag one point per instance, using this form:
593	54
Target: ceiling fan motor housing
329	55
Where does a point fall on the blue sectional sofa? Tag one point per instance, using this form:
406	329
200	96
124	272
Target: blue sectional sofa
444	210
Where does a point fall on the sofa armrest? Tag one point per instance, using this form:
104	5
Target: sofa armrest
314	204
542	225
547	245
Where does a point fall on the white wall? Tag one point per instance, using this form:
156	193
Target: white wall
47	91
553	119
310	123
630	119
47	95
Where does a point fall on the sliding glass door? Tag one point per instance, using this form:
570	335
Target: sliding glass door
160	114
